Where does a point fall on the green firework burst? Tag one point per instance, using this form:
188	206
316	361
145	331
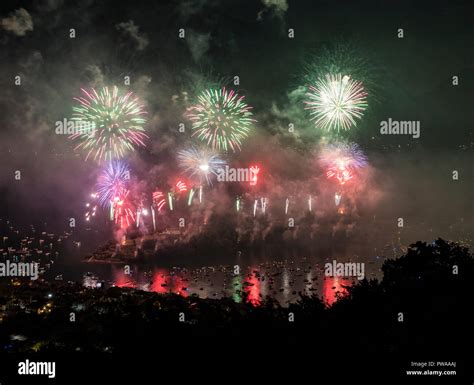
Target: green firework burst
221	119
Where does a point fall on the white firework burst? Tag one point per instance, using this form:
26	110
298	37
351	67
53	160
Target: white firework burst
200	162
336	101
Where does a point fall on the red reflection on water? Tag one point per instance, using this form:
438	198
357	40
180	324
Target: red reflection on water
123	280
159	283
332	286
163	282
252	289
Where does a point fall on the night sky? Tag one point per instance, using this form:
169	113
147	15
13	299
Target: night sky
409	78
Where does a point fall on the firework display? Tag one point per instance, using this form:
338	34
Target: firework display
276	190
159	200
200	162
113	193
122	211
341	160
111	123
336	102
112	182
221	119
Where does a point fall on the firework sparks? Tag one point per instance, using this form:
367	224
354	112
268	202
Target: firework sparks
122	210
112	193
336	101
159	200
254	170
138	217
190	197
111	123
91	207
221	119
181	186
153	217
112	182
341	160
200	162
264	204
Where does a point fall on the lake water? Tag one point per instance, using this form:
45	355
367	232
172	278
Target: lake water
283	279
